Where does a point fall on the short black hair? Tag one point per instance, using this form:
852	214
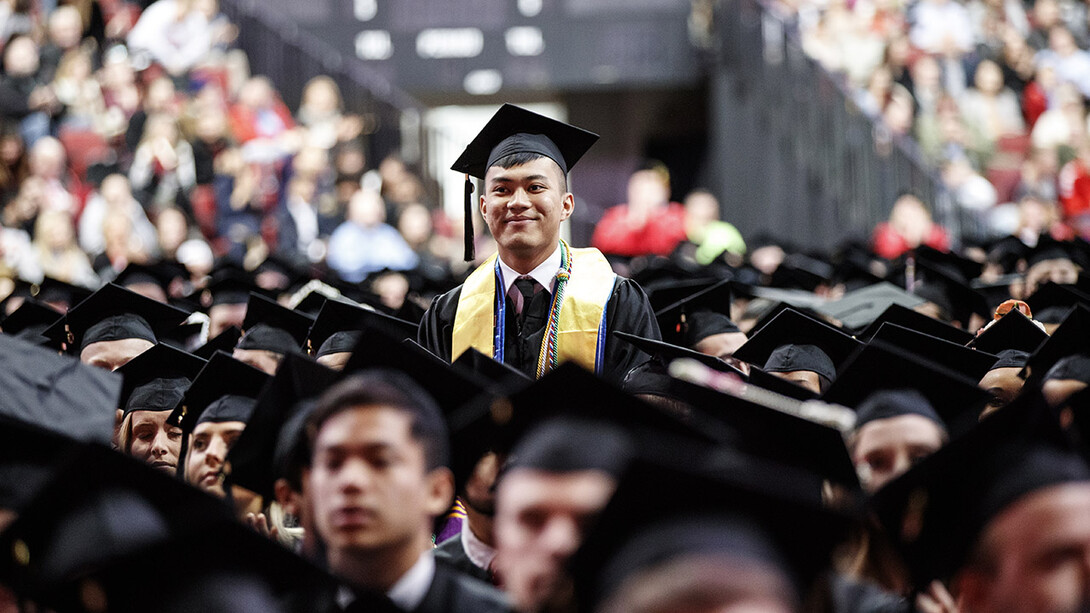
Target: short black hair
390	389
525	157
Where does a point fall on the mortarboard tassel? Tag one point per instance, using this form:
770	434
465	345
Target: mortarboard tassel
470	252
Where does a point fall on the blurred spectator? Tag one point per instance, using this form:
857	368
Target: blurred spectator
48	161
1046	15
1072	65
1017	62
77	89
1074	188
321	111
927	84
364	244
173	33
159	98
18	17
13	162
648	223
172	229
990	107
24	93
119	90
65	30
297	221
163	170
22	211
941	27
17	255
58	253
1062	125
261	122
114	196
704	228
121	247
909	226
1039	174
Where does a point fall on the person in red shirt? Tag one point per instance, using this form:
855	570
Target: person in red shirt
909	226
649	223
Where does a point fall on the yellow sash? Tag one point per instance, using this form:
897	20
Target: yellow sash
581	335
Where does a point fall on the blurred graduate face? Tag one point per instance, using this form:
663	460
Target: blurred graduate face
804	378
153	441
541	518
223	316
208	447
368	485
1034	556
335	361
1003	384
112	355
261	359
524	206
883	449
723	346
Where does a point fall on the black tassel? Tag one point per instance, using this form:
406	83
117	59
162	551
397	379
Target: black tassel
470	252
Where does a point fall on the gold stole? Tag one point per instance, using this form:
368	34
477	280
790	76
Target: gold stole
581	336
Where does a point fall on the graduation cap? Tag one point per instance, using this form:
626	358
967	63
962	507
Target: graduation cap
697	316
156	379
271	327
935	512
282	271
1012	331
224	341
721	504
502	375
858	309
970	363
515	130
652	377
1007	252
161	275
225	390
792	341
774	434
947	290
1071	338
252	456
779	385
801	271
1048	248
114	313
1052	301
106	522
338	325
664	294
28	456
57	392
965	269
880	366
906	317
886	404
30	320
56	292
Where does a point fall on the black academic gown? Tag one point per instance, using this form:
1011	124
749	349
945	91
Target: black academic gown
453	553
628	311
450	592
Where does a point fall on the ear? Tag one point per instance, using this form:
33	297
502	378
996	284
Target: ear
482	207
567	206
440	491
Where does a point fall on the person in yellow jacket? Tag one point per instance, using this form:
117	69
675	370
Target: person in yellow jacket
537	302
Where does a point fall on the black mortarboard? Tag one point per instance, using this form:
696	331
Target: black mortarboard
906	317
793	341
57	392
297	379
936	511
722	505
698	315
516	130
57	292
970	363
1072	337
567	443
332	328
30	321
224	341
225	390
161	274
105	519
779	385
1007	252
114	313
770	432
156	379
1051	302
858	309
503	375
284	271
231	290
949	291
668	352
1012	331
666	293
888	403
1011	358
1076	367
880	366
28	456
965	269
271	327
1048	248
801	271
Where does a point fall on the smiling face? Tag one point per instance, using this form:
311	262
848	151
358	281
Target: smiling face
524	206
153	441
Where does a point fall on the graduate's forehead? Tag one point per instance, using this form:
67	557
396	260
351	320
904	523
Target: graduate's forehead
538	168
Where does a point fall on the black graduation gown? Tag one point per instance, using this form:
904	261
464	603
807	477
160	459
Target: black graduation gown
452	553
628	310
455	592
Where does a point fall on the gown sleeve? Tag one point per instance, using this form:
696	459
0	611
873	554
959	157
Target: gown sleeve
628	311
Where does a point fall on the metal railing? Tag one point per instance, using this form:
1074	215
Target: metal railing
815	167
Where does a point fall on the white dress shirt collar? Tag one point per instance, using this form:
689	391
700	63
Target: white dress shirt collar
480	554
545	273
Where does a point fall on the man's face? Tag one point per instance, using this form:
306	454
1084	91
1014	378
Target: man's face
1058	391
223	316
208	447
112	355
885	448
1036	556
524	205
335	361
723	347
154	441
540	521
1003	384
368	485
803	378
261	359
